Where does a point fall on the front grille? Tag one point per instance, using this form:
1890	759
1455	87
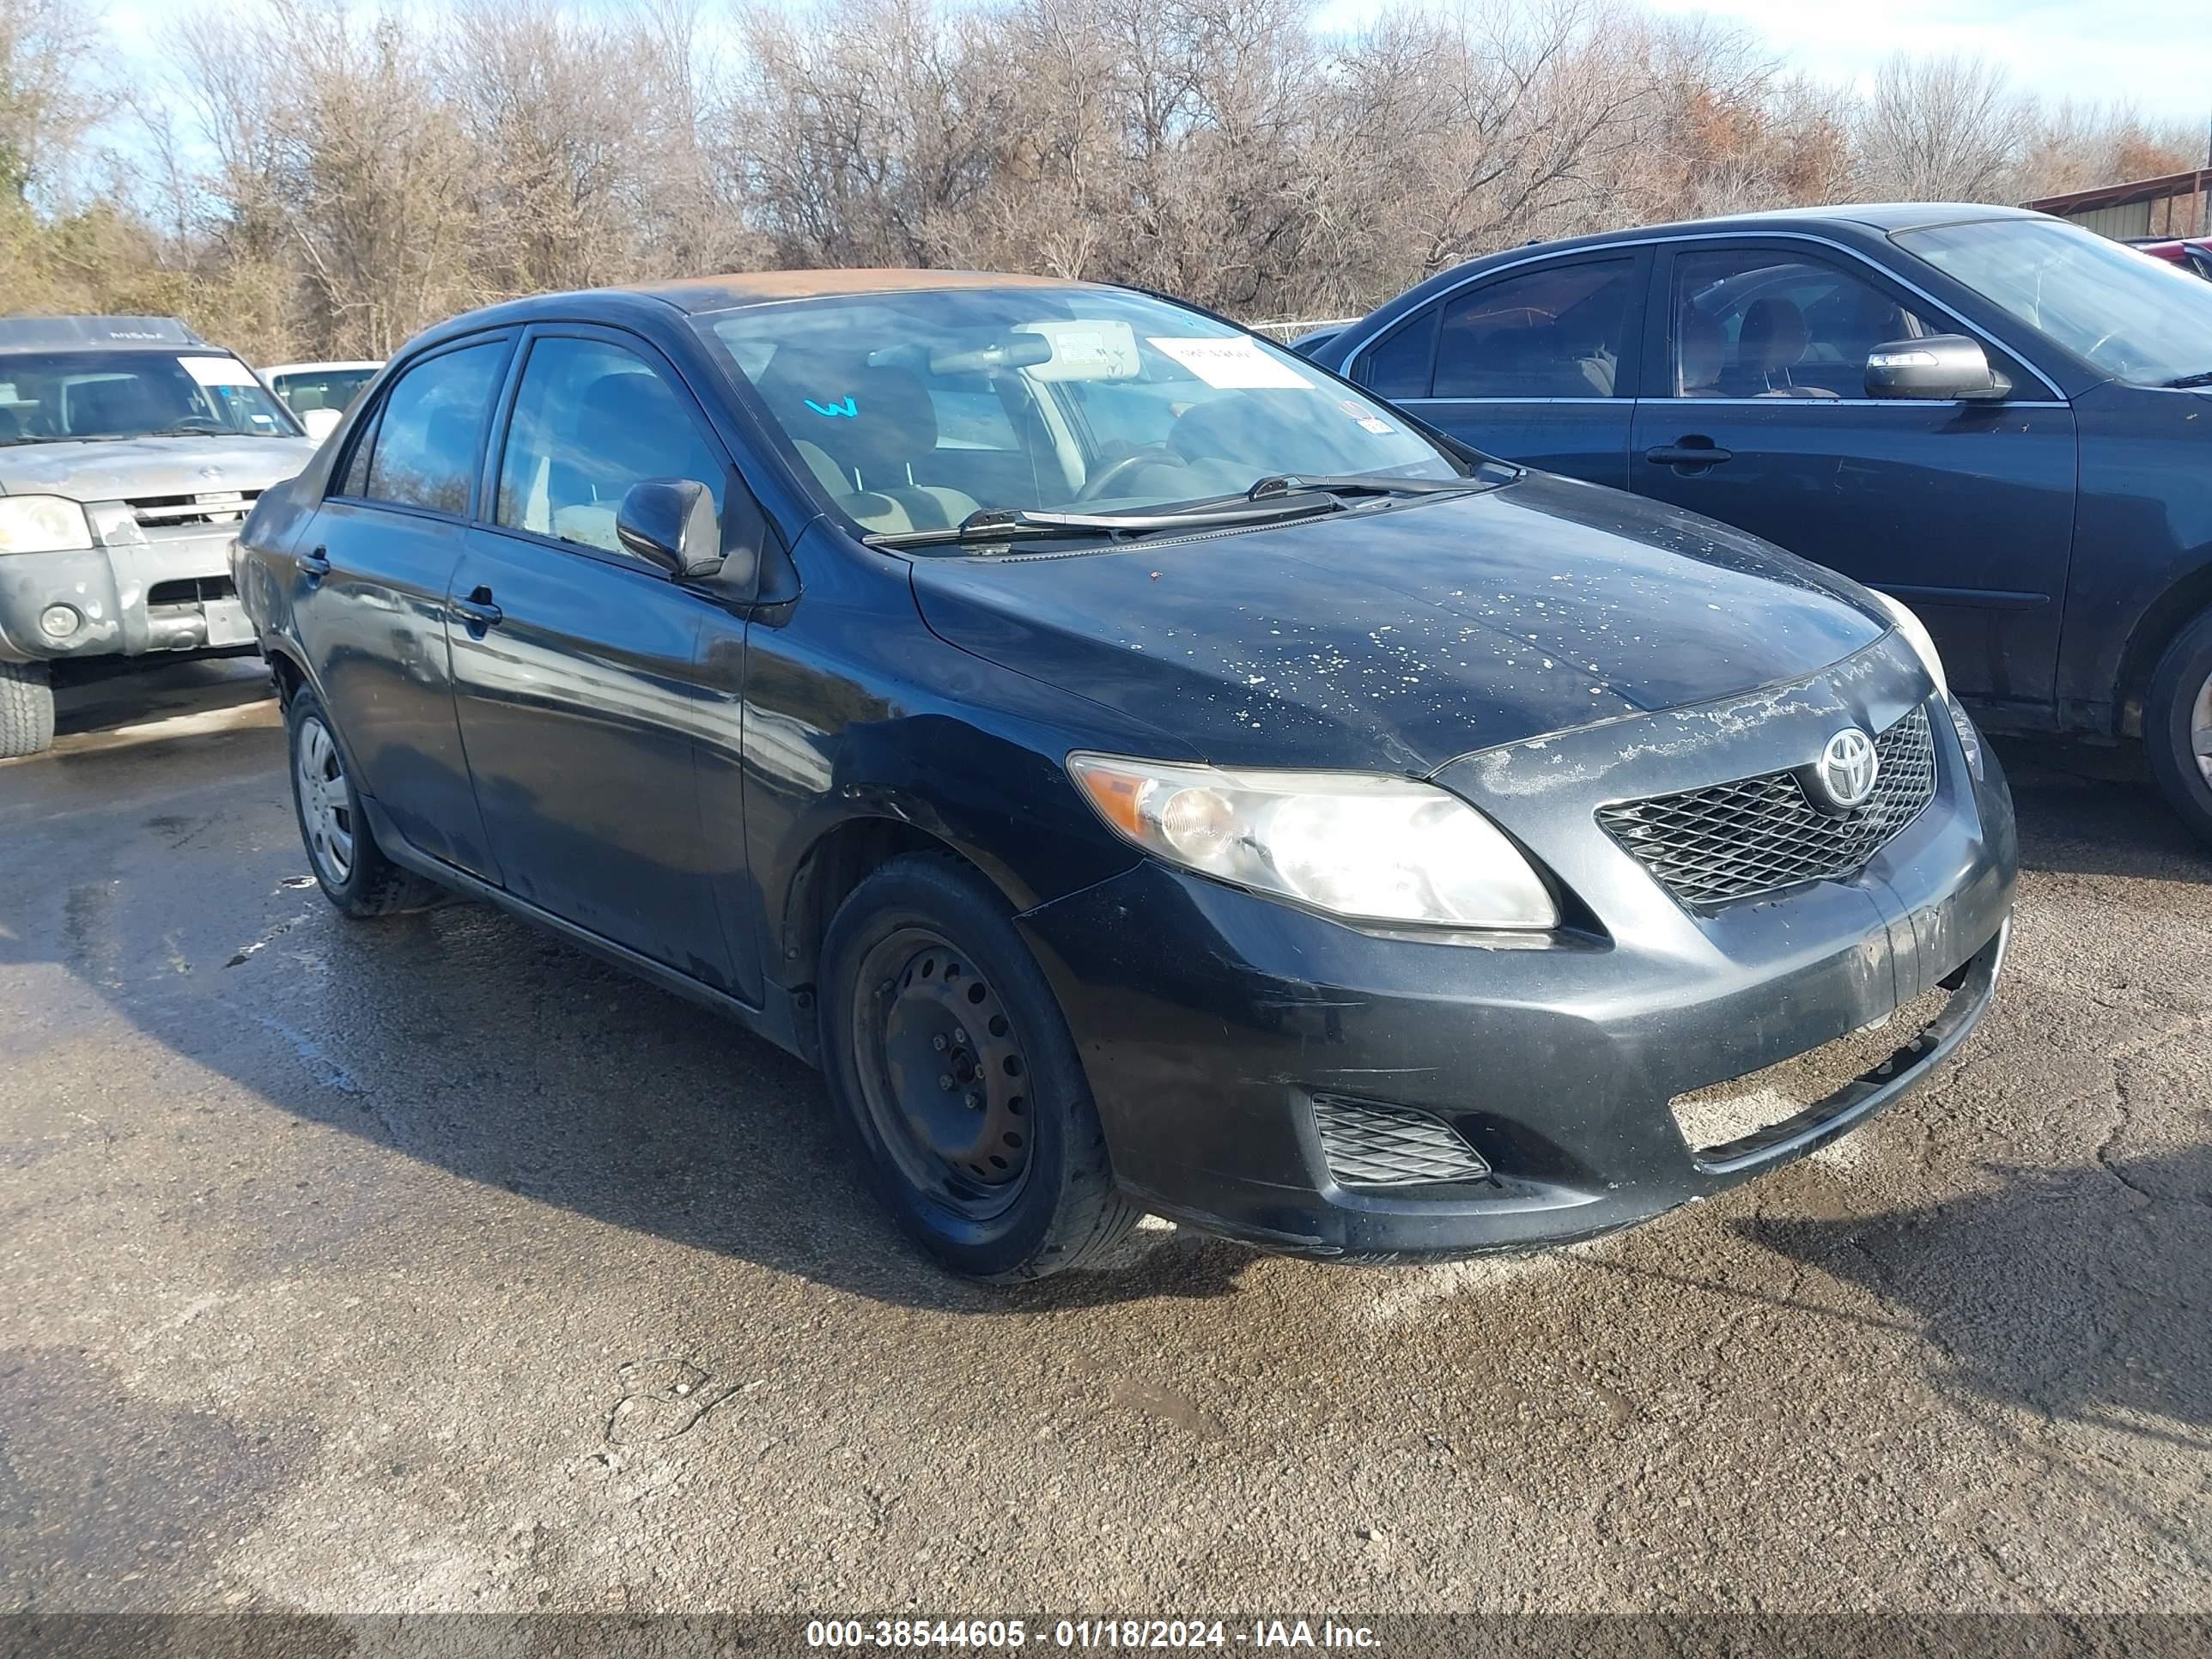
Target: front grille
1759	834
212	506
1371	1144
191	590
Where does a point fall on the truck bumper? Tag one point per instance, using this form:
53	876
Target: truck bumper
170	594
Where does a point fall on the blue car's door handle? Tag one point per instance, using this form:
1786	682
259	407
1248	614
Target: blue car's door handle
478	613
314	566
1688	455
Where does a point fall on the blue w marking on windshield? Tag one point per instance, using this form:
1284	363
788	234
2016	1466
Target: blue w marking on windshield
844	409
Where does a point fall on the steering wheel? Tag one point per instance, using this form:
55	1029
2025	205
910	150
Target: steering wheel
196	424
1148	455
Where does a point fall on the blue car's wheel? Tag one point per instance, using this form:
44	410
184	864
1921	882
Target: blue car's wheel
2177	724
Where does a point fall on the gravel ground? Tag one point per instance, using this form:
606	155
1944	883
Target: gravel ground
429	1265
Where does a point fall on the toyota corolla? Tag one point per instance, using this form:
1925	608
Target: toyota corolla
1143	771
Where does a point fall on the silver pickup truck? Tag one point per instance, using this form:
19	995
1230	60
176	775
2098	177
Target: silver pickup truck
131	450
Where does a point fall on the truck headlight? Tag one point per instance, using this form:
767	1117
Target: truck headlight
1370	848
42	524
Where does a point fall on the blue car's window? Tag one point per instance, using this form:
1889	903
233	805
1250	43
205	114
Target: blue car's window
914	410
2136	319
1754	322
591	419
425	443
1400	364
1556	331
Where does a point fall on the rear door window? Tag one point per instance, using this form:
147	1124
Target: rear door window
1556	331
1399	365
429	438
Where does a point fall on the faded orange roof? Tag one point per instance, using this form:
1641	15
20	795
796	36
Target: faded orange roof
741	288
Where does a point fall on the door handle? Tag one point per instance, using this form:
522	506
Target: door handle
478	613
1691	451
315	566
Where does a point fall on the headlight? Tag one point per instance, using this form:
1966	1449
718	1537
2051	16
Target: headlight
1923	647
1969	742
42	524
1917	637
1373	848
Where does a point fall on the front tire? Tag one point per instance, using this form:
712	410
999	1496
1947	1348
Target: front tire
2177	726
953	1072
350	866
26	709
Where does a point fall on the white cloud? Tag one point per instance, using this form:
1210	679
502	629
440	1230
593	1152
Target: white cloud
2154	54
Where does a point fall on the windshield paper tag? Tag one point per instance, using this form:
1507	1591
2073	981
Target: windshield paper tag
218	371
1366	417
1233	365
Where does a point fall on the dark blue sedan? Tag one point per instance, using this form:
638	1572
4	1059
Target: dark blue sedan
2003	419
1144	772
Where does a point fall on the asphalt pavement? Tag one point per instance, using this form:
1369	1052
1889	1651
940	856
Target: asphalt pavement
428	1264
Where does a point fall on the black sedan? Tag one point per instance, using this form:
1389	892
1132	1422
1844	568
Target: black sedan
2002	418
1143	771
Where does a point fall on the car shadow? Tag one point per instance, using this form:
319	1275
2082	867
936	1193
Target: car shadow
109	693
2089	811
460	1037
2073	1291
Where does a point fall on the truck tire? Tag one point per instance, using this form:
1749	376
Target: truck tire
2177	724
26	709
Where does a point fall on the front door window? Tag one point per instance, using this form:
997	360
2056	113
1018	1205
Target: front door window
1756	322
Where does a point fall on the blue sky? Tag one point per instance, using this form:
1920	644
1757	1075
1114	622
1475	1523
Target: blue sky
2155	54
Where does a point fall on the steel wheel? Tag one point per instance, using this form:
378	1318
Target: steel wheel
325	807
942	1072
2200	729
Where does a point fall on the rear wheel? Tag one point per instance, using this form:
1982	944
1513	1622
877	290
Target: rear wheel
350	867
26	709
2177	724
954	1072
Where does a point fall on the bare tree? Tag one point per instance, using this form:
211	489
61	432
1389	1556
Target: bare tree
332	175
1940	129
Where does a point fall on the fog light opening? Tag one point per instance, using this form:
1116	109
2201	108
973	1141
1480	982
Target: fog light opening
58	621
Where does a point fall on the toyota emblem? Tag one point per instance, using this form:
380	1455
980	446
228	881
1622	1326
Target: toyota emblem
1848	768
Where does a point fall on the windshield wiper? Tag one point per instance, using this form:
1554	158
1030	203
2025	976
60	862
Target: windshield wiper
1354	483
2183	382
1007	523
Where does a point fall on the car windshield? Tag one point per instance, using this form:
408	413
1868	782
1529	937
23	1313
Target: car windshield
2138	319
79	396
914	411
307	389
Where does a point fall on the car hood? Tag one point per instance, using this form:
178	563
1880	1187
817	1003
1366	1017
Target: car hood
1399	639
128	469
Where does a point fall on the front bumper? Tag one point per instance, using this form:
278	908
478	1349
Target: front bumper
173	594
1209	1019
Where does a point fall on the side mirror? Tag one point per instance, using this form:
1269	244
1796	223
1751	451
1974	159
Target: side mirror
321	422
1940	368
671	523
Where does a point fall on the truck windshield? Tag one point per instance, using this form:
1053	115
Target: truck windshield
915	412
83	397
2137	319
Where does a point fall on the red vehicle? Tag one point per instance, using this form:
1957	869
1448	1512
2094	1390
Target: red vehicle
2192	253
